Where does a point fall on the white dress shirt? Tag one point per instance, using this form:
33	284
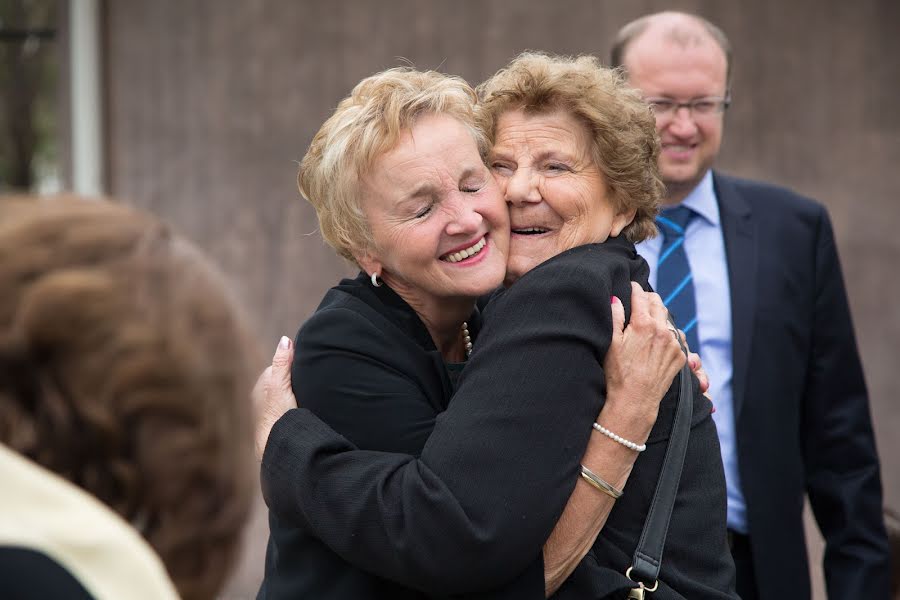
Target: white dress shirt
705	249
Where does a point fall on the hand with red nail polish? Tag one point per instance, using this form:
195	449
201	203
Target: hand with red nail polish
641	362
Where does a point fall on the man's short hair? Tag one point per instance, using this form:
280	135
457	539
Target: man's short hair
631	31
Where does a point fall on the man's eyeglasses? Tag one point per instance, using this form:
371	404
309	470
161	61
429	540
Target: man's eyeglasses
699	107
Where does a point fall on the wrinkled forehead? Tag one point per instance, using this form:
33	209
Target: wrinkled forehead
437	150
550	130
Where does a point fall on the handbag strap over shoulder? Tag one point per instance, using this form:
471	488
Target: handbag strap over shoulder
647	558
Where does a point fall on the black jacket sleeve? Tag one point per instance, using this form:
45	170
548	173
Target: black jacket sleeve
358	378
474	510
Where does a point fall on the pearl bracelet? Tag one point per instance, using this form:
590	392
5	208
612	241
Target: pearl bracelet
617	438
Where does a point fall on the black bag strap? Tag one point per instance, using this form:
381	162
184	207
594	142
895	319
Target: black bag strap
647	558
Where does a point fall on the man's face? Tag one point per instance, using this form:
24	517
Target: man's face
661	68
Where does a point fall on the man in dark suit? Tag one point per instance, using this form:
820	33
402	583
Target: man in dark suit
751	273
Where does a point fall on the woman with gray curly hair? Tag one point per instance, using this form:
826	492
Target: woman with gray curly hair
489	496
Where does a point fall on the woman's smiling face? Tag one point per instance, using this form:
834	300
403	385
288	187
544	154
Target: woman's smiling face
556	195
437	218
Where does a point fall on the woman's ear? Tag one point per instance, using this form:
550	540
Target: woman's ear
621	221
368	262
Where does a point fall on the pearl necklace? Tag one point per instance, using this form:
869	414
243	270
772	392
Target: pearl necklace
466	339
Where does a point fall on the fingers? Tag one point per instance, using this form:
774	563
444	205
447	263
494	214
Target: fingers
647	309
281	365
618	316
649	318
658	311
694	361
641	364
680	338
697	367
647	306
639	301
261	387
262	422
272	395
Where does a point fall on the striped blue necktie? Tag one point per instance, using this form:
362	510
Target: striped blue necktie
674	282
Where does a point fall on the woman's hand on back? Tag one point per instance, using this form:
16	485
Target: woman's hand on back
272	395
642	360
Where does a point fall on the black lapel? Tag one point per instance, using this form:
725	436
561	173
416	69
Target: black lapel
739	231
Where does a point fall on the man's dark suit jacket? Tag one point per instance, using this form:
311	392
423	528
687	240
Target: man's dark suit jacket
800	400
494	470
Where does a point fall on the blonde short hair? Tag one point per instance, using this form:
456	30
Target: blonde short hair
625	144
365	125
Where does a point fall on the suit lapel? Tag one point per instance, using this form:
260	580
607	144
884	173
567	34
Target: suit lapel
739	231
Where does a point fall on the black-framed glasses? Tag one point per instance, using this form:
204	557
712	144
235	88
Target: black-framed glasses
698	107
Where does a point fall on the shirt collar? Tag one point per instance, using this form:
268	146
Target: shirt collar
702	200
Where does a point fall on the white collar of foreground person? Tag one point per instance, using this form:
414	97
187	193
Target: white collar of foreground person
44	512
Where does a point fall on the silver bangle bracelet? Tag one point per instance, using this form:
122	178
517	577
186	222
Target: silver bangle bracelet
617	438
599	483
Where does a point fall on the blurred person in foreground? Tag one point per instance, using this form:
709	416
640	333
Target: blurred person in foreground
750	272
126	449
480	481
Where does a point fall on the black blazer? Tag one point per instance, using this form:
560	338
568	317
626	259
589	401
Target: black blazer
800	400
472	513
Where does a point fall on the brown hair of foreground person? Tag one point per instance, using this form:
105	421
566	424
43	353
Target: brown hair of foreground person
126	369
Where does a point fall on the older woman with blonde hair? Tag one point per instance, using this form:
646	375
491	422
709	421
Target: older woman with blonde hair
124	426
481	493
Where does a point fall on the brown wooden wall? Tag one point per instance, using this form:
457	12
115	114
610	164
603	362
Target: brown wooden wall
211	103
